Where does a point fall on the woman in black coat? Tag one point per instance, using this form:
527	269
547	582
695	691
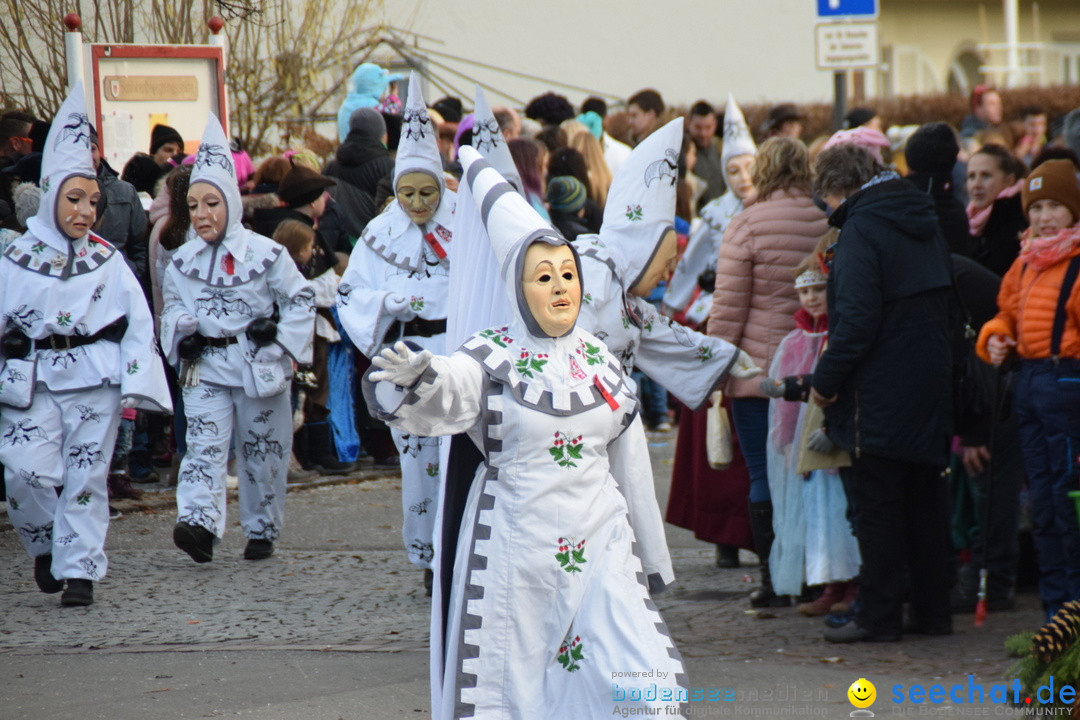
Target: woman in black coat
995	216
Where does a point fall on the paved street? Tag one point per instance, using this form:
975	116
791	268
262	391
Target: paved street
335	626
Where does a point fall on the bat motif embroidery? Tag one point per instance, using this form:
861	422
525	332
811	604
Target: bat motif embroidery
195	473
421	507
88	414
261	446
266	531
64	358
66	539
486	134
24	316
98	291
85	455
211	451
263	417
222	302
344	291
37	533
416	124
665	167
90	567
214	155
425	551
76	129
201	515
267	500
31	478
21	433
199	425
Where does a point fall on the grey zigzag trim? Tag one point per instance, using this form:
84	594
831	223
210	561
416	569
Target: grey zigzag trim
681	679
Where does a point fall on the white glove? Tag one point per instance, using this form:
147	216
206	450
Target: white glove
128	402
772	388
268	353
744	367
186	326
819	442
398	306
400	365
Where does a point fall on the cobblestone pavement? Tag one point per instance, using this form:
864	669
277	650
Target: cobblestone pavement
340	582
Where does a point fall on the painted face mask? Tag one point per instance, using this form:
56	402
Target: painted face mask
551	287
418	194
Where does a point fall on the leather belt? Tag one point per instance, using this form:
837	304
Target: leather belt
220	342
113	332
419	327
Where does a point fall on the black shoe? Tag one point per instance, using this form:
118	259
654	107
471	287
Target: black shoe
258	549
119	485
727	556
429	580
852	632
764	597
321	453
79	592
835	620
43	575
195	540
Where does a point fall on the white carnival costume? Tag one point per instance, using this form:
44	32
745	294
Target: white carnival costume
396	288
702	250
226	285
549	597
640	211
91	348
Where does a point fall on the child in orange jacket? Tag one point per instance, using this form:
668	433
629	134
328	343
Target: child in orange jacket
1038	322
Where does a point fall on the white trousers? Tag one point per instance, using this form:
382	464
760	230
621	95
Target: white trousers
263	430
419	494
62	441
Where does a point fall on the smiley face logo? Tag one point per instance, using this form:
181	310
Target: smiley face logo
862	693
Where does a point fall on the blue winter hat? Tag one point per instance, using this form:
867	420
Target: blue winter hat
565	193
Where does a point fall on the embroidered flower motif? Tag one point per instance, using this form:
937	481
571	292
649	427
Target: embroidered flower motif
593	355
432	469
633	213
587	298
570	653
416	303
575	370
565	449
497	336
625	321
528	363
83	498
63	319
37	247
704	353
133	367
571	554
46	183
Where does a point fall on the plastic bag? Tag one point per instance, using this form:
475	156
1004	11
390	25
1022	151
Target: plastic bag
718	434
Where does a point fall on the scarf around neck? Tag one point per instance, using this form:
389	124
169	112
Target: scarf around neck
977	219
1042	252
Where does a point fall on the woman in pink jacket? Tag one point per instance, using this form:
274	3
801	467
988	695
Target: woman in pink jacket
753	306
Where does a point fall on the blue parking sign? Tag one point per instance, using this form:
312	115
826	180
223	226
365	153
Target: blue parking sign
847	8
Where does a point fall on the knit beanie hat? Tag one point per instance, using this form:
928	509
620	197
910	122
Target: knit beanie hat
142	172
367	122
565	193
302	185
1053	180
161	134
932	149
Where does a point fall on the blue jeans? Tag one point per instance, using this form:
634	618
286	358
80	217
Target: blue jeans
653	399
1047	402
750	416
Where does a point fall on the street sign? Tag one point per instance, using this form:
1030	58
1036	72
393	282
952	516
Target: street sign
834	9
847	46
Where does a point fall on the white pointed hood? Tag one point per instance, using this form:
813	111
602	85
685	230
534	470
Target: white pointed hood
490	143
512	225
214	165
640	205
418	148
737	137
66	155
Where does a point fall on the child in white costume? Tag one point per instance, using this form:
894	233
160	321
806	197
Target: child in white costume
78	345
814	543
549	597
222	291
396	288
621	266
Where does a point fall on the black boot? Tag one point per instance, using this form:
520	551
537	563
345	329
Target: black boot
321	452
761	528
258	549
79	592
195	540
43	575
727	556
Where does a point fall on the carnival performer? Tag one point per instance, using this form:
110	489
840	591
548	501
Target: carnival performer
396	288
684	297
621	266
237	314
814	543
548	599
78	345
